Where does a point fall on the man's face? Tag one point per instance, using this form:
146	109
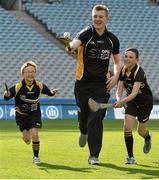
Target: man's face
29	74
99	19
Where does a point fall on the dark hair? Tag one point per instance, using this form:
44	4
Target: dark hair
100	7
133	50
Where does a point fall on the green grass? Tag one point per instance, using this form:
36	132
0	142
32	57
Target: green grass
63	159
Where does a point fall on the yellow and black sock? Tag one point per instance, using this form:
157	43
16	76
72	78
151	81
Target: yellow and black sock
36	147
129	142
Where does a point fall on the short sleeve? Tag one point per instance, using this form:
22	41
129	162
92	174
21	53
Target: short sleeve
140	76
84	34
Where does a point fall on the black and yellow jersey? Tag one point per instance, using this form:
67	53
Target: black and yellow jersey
137	74
94	54
26	97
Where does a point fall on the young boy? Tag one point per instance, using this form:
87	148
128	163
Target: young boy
27	106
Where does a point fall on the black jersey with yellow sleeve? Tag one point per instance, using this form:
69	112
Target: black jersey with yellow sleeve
94	54
137	74
27	97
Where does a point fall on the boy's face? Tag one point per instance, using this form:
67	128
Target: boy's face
29	74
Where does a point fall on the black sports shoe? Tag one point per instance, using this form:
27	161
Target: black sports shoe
147	145
83	140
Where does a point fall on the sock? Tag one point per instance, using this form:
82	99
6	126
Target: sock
129	143
36	147
147	136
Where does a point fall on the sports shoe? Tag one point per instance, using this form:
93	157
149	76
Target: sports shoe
93	161
36	160
130	160
83	140
147	145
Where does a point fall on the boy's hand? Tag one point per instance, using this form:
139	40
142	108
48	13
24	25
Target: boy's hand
54	91
6	94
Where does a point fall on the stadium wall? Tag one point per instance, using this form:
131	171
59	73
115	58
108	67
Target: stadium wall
63	109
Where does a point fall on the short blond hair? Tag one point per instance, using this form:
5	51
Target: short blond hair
101	7
26	64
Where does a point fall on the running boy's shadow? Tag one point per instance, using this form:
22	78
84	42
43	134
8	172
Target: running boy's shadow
46	166
132	170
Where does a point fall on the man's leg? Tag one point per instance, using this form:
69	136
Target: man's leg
95	132
95	123
83	111
82	120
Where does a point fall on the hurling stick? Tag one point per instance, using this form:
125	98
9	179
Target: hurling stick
6	87
95	106
65	40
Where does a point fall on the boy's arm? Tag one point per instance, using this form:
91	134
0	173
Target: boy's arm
49	92
9	93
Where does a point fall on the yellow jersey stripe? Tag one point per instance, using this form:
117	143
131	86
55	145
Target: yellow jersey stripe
80	64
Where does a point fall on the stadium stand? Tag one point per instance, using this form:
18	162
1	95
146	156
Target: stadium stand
19	42
134	22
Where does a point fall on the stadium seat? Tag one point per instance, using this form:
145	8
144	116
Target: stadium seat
134	22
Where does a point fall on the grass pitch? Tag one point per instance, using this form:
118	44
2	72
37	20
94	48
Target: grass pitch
62	158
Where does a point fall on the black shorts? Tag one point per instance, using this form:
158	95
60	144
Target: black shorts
140	110
28	122
85	90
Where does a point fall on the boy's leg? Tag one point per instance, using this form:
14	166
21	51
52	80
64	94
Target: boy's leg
35	145
35	141
26	136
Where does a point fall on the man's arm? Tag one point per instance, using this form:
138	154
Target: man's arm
119	91
117	68
74	44
117	64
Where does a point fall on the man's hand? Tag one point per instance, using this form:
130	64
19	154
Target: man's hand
70	51
112	82
6	94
